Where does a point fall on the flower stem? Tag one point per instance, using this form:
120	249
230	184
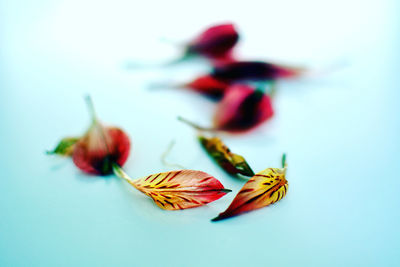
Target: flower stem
119	172
197	127
284	164
165	154
90	107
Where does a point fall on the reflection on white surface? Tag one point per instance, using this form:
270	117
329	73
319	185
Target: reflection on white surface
339	130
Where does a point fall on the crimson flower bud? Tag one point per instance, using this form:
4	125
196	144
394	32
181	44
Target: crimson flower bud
215	42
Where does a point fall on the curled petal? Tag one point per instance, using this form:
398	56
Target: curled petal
263	189
181	189
242	108
230	162
99	148
216	41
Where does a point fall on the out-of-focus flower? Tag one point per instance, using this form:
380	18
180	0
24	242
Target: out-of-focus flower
242	108
98	148
215	42
253	70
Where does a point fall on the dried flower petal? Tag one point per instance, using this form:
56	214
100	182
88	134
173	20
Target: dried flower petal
177	190
216	41
230	162
208	86
242	108
253	70
263	189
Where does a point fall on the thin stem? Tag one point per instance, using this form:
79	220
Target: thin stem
197	127
119	172
284	164
90	107
137	64
164	85
326	70
165	154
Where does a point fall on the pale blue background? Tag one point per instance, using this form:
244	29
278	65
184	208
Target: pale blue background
341	133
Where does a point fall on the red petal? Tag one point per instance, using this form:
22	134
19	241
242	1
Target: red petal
209	86
181	189
216	41
242	108
100	147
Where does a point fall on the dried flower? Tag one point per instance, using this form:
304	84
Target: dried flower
98	148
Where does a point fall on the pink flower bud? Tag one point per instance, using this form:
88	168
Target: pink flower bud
242	108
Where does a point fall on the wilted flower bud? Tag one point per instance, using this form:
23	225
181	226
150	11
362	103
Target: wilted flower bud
98	149
242	108
215	42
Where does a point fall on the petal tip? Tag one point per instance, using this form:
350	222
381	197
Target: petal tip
225	190
220	217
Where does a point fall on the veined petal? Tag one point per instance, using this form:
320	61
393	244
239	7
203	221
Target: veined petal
263	189
180	189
